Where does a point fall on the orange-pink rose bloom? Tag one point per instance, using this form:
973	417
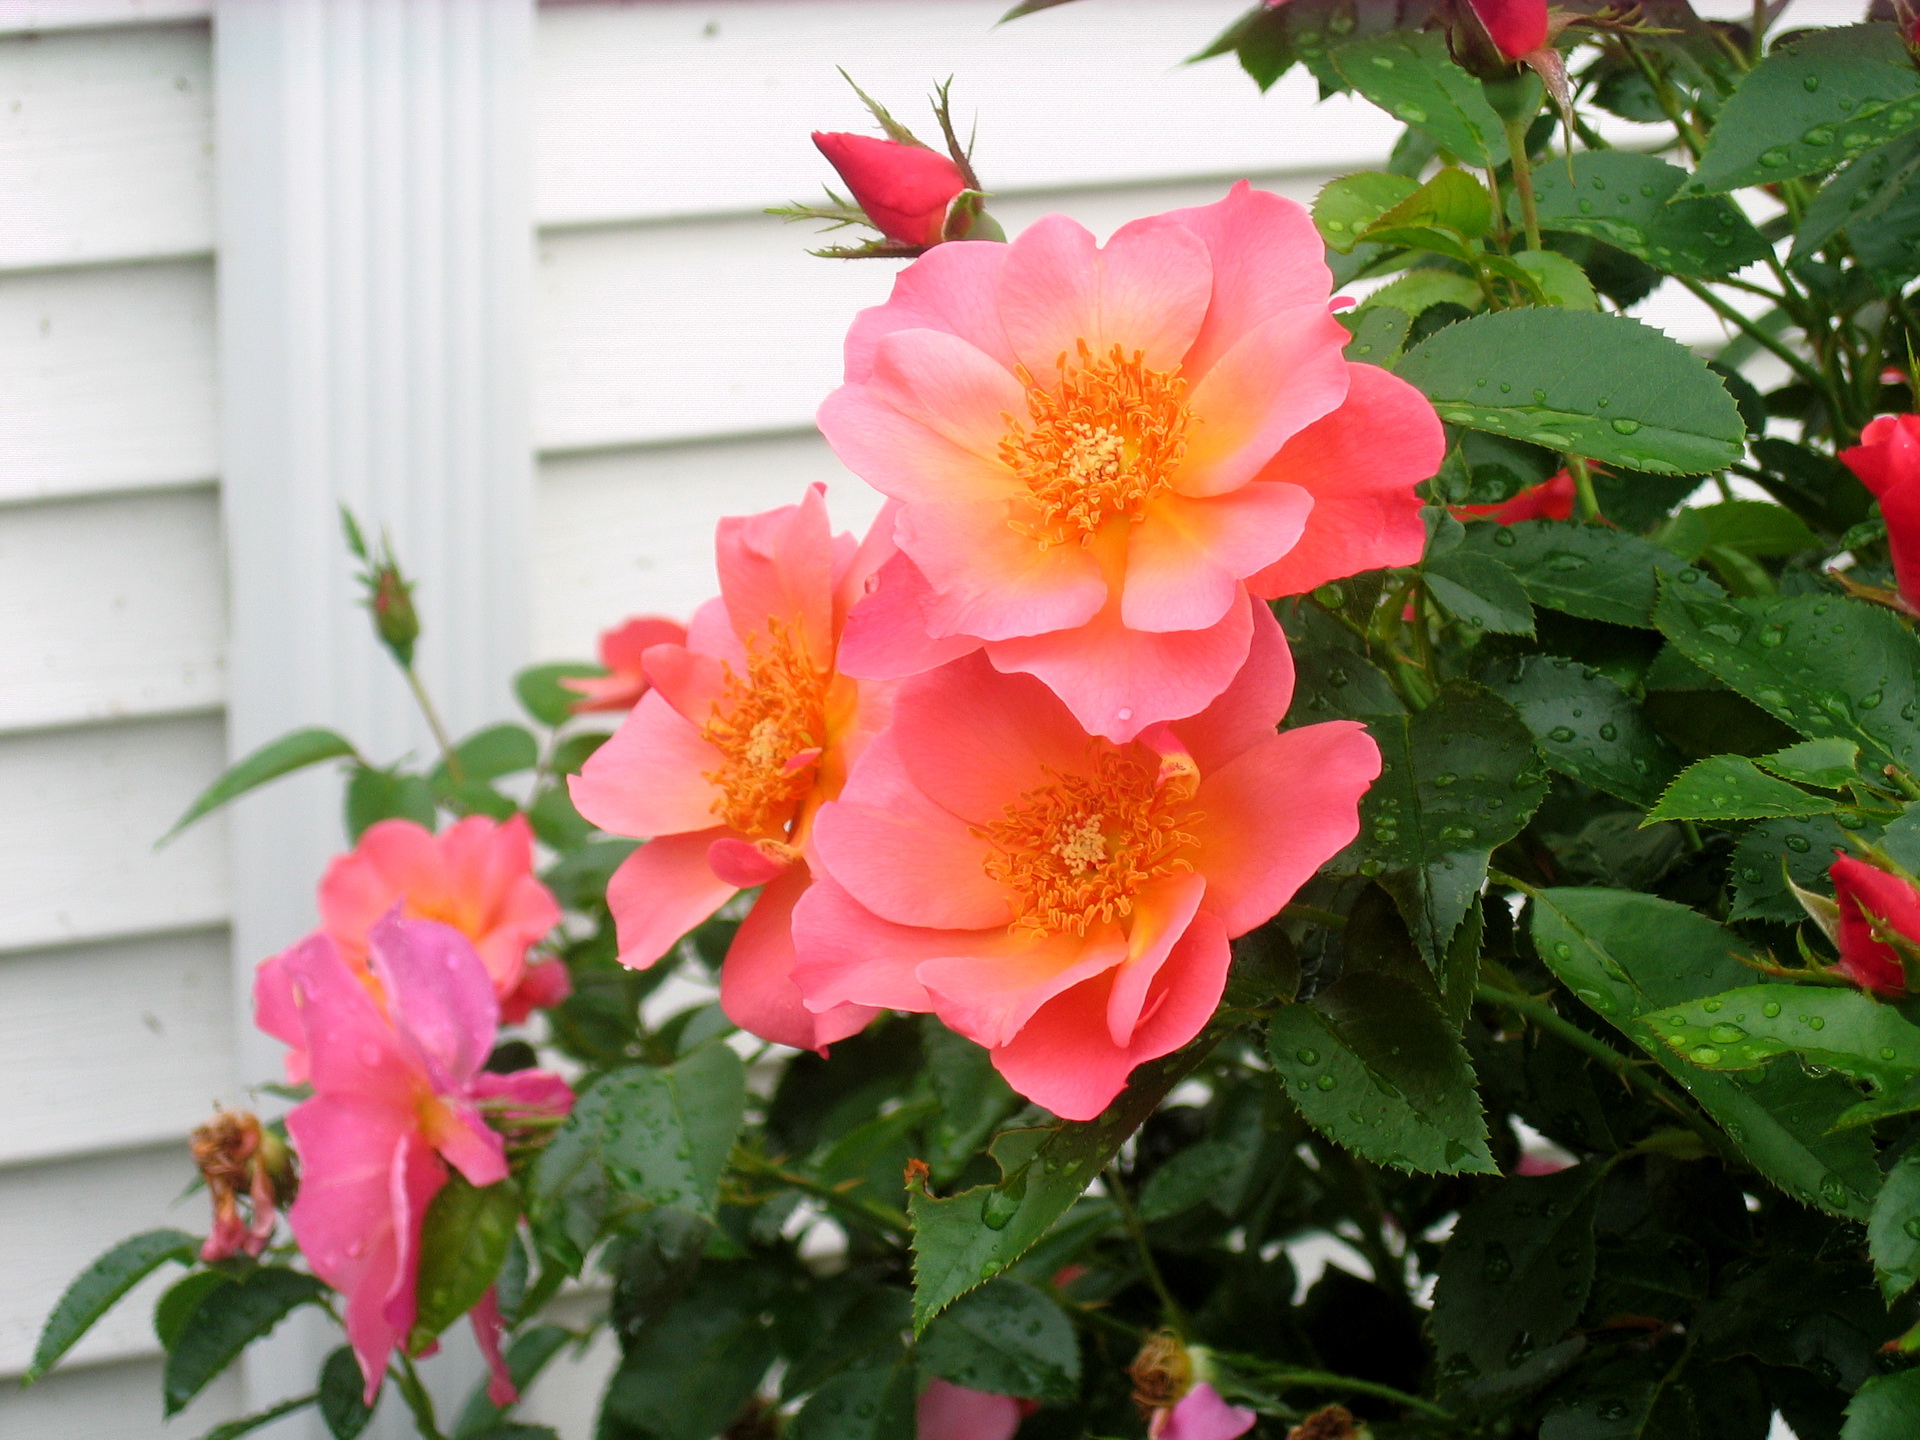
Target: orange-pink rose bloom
1067	901
1098	452
622	651
749	728
476	876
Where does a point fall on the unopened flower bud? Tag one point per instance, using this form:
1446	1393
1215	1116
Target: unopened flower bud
1878	929
904	189
1516	27
390	598
241	1159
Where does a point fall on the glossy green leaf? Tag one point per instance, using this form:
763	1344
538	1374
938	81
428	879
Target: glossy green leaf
1007	1338
1816	100
1627	955
95	1290
1766	855
875	1403
1379	332
1732	787
1459	778
543	696
247	1424
1480	592
1875	202
1895	1247
1751	527
1841	1029
1591	571
342	1396
1373	1064
1887	1407
463	1240
179	1300
1190	1178
1409	74
1827	666
963	1240
1418	290
225	1322
1831	764
973	1099
375	795
1586	725
638	1138
491	753
291	752
1627	200
1558	279
1602	385
687	1370
1515	1273
1347	207
848	1322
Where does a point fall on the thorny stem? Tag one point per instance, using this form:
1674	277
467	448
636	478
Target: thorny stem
417	1398
1586	502
1523	180
455	771
1172	1311
1327	1380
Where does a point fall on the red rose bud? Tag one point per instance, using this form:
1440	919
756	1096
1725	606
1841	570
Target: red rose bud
904	189
1887	460
1549	500
1517	27
1879	917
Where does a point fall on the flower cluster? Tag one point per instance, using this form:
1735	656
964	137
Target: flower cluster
1013	758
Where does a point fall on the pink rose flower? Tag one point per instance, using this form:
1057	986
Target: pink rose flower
1887	460
749	729
398	1097
952	1412
1098	451
1870	899
1516	27
1549	500
905	189
1201	1414
1062	900
621	651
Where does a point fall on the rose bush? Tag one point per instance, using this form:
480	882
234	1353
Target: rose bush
1434	780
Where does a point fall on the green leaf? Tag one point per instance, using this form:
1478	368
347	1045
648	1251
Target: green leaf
289	753
1627	200
1444	215
1409	74
1007	1338
376	795
687	1370
225	1322
1586	725
1626	955
1373	1064
1769	853
1876	202
555	820
96	1289
1887	1407
1830	764
1559	280
876	1403
247	1424
1818	99
542	695
1480	592
963	1240
1827	666
1189	1178
1600	385
638	1138
1515	1273
1419	290
1895	1249
973	1099
1379	332
1732	787
1459	778
342	1391
839	1325
1345	208
490	753
170	1312
1751	527
1841	1029
463	1240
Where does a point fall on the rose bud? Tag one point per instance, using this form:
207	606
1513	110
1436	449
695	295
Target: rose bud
905	189
1516	27
1887	460
1878	927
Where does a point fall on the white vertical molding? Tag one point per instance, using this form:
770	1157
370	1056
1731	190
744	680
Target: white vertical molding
375	267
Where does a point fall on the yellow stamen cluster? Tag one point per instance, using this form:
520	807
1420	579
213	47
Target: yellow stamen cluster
1079	848
765	719
1100	444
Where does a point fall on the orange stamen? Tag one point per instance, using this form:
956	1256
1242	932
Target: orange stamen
762	725
1079	848
1101	444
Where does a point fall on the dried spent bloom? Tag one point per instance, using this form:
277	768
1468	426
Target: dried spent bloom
1332	1422
241	1161
1179	1405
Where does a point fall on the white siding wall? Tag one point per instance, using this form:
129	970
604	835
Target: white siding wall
683	341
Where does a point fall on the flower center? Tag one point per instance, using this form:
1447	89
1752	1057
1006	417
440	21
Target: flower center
770	725
1079	848
1101	443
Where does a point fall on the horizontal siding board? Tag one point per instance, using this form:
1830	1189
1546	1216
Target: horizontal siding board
55	1219
115	608
105	145
721	327
109	379
705	108
84	808
114	1045
113	1402
632	532
52	15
